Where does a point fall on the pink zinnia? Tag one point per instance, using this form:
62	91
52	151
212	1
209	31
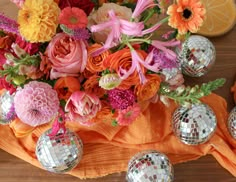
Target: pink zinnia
127	116
37	103
121	99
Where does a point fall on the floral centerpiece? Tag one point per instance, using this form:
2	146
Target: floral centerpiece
90	61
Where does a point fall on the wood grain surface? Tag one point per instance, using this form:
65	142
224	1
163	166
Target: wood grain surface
205	169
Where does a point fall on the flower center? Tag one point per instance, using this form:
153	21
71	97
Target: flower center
73	20
187	13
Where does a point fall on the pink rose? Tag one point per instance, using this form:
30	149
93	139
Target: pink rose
67	55
82	107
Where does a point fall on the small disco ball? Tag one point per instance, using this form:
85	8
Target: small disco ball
59	153
194	125
197	56
7	112
150	166
232	123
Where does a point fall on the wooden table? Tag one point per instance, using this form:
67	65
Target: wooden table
206	168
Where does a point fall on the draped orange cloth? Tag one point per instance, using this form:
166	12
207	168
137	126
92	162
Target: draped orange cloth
108	149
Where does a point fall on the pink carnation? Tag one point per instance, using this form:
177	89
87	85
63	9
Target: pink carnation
19	3
121	99
127	116
37	103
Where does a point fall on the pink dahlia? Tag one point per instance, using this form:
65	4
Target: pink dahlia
127	116
121	99
37	103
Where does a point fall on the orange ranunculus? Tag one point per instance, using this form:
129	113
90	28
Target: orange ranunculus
122	59
105	114
91	85
6	41
233	89
20	129
94	64
149	89
65	86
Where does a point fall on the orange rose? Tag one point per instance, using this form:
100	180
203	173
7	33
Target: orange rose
91	85
94	64
6	41
149	89
233	89
122	59
65	86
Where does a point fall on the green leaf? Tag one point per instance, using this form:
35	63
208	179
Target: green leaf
114	123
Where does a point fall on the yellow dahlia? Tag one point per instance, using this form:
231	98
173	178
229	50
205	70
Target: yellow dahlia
186	15
38	20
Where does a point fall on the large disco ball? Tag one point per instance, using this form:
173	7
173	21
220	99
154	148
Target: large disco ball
197	56
7	111
194	125
59	153
232	122
150	166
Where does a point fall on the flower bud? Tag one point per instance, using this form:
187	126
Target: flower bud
109	81
19	79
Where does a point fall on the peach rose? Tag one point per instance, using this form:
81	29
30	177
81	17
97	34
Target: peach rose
149	89
122	59
94	64
65	86
68	56
82	107
101	16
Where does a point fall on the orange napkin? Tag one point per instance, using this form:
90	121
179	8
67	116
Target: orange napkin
108	149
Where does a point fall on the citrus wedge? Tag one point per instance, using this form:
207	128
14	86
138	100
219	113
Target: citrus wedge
220	17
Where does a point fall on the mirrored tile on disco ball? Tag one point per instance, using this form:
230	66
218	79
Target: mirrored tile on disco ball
194	125
59	153
7	112
232	123
197	56
150	166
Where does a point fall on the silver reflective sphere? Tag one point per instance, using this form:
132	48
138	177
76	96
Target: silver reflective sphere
232	123
197	56
59	153
7	112
150	166
194	125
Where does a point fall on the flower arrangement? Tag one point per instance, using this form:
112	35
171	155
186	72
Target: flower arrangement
89	61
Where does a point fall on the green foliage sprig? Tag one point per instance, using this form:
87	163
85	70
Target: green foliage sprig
191	95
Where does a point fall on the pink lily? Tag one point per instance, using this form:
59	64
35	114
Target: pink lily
162	46
141	6
118	27
136	61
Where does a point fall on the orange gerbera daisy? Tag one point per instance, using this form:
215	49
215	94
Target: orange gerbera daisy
186	15
73	18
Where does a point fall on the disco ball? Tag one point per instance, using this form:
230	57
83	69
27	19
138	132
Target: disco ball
150	166
194	125
197	56
7	112
232	123
59	153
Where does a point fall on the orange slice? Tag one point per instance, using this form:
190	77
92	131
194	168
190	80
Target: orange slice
220	17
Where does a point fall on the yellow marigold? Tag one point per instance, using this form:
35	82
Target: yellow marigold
38	20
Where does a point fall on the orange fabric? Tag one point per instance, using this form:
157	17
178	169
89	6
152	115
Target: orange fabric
108	149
